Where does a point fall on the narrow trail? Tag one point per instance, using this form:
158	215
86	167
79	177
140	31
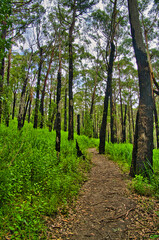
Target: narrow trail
105	209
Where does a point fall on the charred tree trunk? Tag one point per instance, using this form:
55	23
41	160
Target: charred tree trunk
112	123
26	108
14	102
58	116
38	88
156	124
65	112
29	111
143	142
70	124
135	148
106	100
78	124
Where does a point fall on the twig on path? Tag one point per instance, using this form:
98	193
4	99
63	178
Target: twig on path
125	214
122	215
92	205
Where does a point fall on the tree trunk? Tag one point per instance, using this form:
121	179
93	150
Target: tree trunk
124	126
94	92
130	129
22	99
29	111
65	111
121	104
7	92
38	89
58	116
106	99
78	124
26	108
43	91
70	126
14	102
156	124
2	63
143	144
112	123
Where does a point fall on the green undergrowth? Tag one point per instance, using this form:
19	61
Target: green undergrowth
122	154
34	180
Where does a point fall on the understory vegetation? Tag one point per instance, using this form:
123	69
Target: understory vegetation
122	154
35	181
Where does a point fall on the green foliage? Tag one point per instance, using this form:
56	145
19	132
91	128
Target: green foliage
122	154
34	181
142	185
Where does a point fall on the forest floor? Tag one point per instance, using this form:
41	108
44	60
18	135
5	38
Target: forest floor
106	209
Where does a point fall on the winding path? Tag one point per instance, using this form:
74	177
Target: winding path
104	209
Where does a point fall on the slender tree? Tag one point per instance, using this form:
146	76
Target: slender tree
58	115
108	91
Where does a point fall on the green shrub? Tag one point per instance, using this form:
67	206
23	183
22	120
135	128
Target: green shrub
34	181
142	185
122	154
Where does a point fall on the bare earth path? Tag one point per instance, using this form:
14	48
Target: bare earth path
106	210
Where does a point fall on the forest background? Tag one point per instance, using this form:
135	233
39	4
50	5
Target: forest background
54	74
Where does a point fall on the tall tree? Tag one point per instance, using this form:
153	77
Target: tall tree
109	81
143	142
23	95
5	22
58	115
76	8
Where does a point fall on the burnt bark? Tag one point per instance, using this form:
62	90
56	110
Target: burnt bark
65	111
156	124
112	120
29	111
135	148
124	126
106	100
14	102
70	124
26	108
78	124
58	116
143	150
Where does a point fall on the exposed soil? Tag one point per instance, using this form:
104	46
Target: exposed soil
106	209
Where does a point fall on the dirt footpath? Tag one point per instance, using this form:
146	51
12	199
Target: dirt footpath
105	209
